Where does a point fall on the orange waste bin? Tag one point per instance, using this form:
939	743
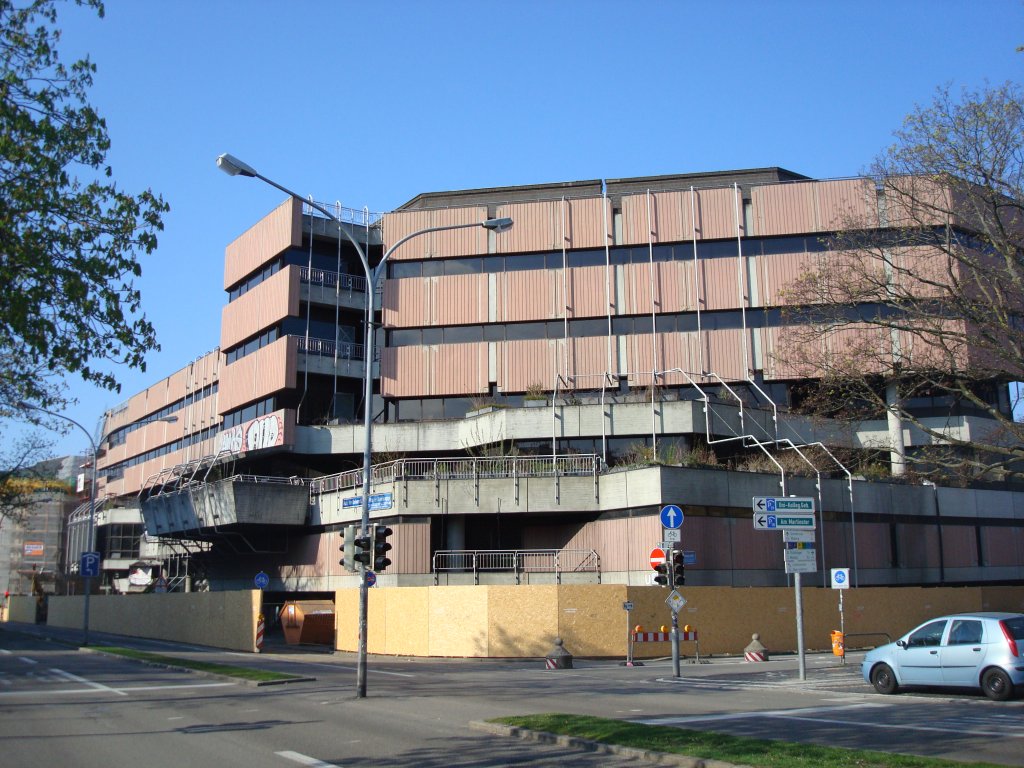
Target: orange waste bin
838	646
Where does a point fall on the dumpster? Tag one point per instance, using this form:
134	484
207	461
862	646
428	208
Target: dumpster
308	621
838	646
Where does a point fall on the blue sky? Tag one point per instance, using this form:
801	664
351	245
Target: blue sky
372	103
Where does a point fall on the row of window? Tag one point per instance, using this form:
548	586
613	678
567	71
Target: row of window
117	437
321	327
116	471
596	257
620	326
249	412
322	259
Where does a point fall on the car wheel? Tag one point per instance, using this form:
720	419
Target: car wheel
884	679
997	685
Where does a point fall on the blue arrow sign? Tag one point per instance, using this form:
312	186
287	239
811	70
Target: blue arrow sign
671	516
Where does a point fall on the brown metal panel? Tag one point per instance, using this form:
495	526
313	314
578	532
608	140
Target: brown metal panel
406	303
264	306
276	232
959	546
912	201
259	375
458	369
459	299
1001	546
672	288
677	351
753	549
403	371
528	295
446	243
411	542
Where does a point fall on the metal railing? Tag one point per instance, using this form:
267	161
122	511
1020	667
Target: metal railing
329	279
517	561
570	465
346	350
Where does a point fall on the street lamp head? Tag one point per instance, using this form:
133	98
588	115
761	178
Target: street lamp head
232	166
497	225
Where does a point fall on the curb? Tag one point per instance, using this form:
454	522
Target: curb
658	758
200	672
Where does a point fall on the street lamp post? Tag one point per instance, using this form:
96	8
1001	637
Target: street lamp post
90	529
235	167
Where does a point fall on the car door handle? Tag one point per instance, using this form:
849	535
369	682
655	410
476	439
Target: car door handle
932	653
976	650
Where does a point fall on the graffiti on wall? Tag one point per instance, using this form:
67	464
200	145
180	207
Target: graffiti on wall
262	432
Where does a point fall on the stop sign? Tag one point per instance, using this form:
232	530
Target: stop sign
657	557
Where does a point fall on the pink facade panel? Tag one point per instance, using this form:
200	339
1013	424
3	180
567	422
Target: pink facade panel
403	372
276	232
465	241
586	361
459	299
672	288
777	272
553	224
723	283
656	217
813	206
528	295
959	547
716	213
258	375
458	369
406	303
723	353
411	542
913	201
521	364
260	308
589	292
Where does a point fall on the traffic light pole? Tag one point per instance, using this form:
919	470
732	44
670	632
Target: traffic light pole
675	644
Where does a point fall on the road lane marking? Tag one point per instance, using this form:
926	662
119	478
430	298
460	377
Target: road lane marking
104	689
302	759
84	681
27	660
790	713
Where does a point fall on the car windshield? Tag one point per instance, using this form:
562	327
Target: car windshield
1015	627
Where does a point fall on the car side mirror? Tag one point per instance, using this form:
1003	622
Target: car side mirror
902	644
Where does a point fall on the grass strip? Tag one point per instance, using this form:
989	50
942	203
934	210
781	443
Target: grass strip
719	746
228	670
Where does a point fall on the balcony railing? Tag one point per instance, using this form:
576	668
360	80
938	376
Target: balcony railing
346	350
516	561
329	279
570	465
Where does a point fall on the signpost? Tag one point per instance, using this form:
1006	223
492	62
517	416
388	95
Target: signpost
261	581
775	522
783	504
89	565
657	557
671	516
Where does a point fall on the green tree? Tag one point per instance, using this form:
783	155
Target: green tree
69	238
917	309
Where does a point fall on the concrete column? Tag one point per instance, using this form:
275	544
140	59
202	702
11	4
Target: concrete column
455	532
897	449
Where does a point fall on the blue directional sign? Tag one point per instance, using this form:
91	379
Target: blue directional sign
671	516
378	502
261	580
89	566
371	578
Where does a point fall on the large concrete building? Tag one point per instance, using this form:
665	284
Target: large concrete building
539	395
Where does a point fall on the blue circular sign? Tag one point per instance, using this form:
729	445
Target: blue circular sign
261	580
371	578
671	516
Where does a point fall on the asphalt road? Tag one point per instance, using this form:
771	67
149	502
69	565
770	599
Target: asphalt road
60	706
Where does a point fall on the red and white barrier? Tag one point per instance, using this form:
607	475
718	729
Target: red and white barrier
754	656
259	633
661	637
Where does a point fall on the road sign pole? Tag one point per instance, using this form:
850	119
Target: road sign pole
675	644
800	625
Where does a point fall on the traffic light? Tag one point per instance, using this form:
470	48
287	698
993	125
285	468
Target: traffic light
348	548
663	574
381	546
678	569
364	548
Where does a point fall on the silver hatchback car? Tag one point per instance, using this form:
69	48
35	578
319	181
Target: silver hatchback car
972	650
